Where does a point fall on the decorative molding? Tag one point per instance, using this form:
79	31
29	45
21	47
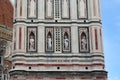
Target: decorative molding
67	74
71	22
59	56
6	34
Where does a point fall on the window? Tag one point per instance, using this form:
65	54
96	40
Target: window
58	39
57	9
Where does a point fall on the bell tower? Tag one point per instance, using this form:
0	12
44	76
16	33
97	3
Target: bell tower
57	40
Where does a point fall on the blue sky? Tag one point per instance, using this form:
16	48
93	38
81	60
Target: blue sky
110	10
111	35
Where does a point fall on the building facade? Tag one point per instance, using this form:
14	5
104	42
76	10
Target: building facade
57	40
6	24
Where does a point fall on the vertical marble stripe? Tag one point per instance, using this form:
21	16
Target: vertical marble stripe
101	40
91	39
94	7
20	7
20	35
14	38
16	8
99	8
96	39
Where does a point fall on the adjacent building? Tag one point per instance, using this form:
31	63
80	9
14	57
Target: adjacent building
6	24
57	40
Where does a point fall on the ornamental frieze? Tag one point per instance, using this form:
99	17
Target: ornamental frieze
5	34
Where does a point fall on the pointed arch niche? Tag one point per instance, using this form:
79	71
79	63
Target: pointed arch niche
49	40
83	39
31	39
66	40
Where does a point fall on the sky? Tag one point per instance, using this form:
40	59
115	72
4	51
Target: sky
111	35
110	10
